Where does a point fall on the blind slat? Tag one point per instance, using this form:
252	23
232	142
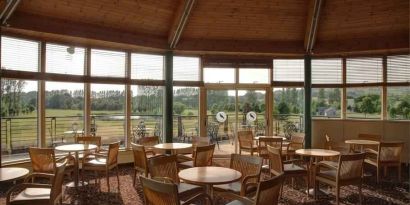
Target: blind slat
107	63
364	70
64	59
289	70
398	68
186	68
327	71
18	54
147	67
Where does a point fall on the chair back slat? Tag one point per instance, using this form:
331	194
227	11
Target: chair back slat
203	155
149	141
245	138
140	158
42	159
246	165
96	140
296	142
164	166
159	193
390	151
350	166
268	191
57	184
275	160
264	142
200	141
113	149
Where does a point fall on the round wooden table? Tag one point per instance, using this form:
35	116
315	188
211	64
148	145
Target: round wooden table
275	137
314	155
12	173
173	147
76	148
361	143
209	176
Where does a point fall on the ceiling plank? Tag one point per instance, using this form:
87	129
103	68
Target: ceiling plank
311	24
180	19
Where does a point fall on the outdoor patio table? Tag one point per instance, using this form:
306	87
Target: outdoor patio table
314	155
75	148
12	173
209	176
172	147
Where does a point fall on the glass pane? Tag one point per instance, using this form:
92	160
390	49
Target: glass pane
18	118
107	112
107	63
64	112
252	101
291	70
17	54
326	102
146	111
147	67
398	103
254	76
363	103
219	75
221	128
186	68
186	108
65	59
327	71
288	110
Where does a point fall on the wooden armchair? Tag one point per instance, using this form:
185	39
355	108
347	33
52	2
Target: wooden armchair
267	193
140	160
347	172
264	142
246	142
103	163
287	168
388	154
166	193
164	167
250	168
202	157
39	194
43	160
196	142
296	142
148	143
96	140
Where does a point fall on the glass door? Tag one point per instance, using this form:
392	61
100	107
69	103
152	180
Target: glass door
251	112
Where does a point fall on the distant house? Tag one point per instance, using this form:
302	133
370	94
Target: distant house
330	112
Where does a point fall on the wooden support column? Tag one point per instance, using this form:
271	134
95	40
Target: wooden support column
168	98
308	92
384	89
344	92
87	93
41	99
128	103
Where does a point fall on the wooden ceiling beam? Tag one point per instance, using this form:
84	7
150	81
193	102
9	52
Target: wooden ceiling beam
37	23
311	24
180	19
8	10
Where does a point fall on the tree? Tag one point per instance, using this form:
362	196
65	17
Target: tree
366	106
179	108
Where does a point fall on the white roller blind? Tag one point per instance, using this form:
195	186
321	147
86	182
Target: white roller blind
254	75
186	68
106	63
18	54
65	59
364	70
398	68
327	71
288	70
219	75
147	67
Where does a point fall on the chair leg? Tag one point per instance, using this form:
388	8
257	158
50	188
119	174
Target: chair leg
108	180
399	169
135	177
384	171
360	193
118	177
82	176
308	185
337	194
378	175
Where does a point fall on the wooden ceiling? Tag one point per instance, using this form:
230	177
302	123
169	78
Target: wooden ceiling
259	27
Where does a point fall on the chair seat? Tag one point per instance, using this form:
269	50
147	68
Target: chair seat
328	174
293	169
33	194
331	163
371	161
234	187
187	164
188	189
236	202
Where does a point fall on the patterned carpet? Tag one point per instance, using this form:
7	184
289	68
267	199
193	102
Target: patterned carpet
390	192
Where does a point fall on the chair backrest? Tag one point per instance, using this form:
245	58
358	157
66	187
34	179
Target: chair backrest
159	193
57	183
203	155
164	166
42	159
245	138
113	149
328	142
350	166
264	142
296	142
390	151
90	140
268	191
149	141
275	160
200	141
247	165
140	158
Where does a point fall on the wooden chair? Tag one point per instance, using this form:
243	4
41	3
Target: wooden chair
202	157
140	160
196	141
250	168
347	172
264	142
166	193
246	142
96	140
103	163
267	193
373	137
39	194
287	168
164	167
296	142
387	155
43	160
148	143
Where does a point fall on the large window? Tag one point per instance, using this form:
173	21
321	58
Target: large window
254	76
288	109
398	103
363	102
147	67
65	59
186	110
106	63
289	70
364	70
108	112
326	102
18	118
327	71
64	112
186	68
219	75
18	54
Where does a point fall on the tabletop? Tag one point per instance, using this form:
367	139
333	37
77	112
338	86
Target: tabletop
362	142
317	152
12	173
209	175
75	147
74	132
172	146
275	137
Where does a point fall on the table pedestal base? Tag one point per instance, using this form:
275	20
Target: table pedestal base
72	184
